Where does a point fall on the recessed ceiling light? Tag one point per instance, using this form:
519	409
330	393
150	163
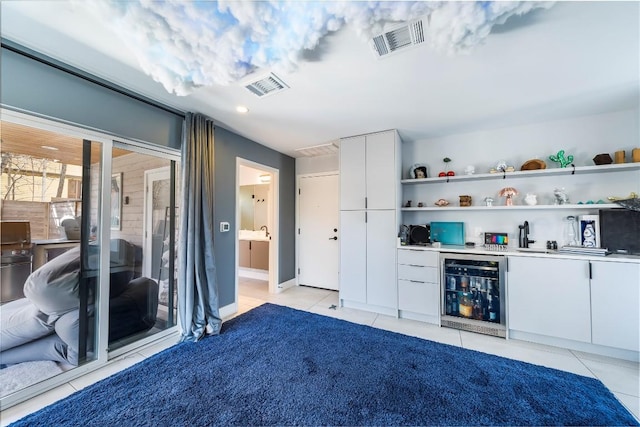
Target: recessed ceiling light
242	109
48	147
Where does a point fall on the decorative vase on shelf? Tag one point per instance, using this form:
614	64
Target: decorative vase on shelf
531	199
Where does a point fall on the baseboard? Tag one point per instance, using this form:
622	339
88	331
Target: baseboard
426	318
369	307
288	284
584	347
228	310
252	273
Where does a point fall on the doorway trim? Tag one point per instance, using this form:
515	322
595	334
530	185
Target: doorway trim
273	224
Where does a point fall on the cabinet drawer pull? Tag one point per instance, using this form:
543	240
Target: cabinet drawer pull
415	281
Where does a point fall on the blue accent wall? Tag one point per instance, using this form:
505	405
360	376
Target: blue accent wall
37	84
228	147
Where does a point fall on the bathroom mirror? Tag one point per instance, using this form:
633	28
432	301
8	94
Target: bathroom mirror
253	206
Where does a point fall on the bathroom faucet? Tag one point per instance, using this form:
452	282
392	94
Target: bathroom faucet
266	230
523	240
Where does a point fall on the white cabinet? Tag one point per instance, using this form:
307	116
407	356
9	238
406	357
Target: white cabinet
615	298
254	254
594	302
369	171
353	256
418	285
369	191
549	297
368	258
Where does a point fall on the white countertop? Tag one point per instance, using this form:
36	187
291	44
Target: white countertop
255	235
510	251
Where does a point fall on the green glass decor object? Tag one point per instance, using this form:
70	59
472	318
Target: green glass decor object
561	159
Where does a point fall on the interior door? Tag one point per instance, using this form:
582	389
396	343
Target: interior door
318	239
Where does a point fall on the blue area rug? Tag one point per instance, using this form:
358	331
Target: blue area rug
279	366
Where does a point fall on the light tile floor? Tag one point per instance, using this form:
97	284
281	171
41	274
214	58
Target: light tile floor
621	377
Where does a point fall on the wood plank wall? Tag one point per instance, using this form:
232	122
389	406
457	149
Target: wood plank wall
37	213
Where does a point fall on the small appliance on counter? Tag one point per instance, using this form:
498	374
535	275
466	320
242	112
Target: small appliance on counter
496	241
448	233
419	234
619	231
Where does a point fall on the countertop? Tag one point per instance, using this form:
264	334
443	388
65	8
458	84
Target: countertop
532	252
53	241
257	235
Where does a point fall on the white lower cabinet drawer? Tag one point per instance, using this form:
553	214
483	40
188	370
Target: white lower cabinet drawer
418	297
418	273
418	257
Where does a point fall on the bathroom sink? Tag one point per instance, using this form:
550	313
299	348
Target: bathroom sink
252	235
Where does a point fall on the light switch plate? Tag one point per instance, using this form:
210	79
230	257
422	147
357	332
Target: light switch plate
224	227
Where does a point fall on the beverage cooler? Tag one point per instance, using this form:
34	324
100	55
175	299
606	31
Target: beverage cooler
473	293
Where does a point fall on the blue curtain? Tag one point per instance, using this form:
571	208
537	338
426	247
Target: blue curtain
198	311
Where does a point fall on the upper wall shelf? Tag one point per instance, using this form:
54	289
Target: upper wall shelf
522	174
514	207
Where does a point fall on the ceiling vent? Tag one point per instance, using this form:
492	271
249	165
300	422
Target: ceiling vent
408	35
318	150
267	86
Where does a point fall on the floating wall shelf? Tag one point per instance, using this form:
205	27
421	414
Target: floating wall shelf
578	170
514	207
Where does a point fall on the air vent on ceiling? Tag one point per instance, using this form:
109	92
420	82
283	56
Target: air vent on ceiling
407	35
318	150
267	86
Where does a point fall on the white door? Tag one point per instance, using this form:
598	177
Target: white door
157	184
318	238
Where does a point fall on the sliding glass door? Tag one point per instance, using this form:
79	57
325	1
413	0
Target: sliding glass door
101	249
143	219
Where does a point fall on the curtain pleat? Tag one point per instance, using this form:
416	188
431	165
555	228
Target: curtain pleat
198	310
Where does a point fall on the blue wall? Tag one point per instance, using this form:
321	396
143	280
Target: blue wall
228	147
34	83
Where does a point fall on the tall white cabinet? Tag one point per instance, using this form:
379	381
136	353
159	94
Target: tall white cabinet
369	220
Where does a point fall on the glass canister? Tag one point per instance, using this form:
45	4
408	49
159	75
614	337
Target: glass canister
571	230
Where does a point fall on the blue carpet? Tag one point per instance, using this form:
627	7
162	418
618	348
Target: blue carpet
279	366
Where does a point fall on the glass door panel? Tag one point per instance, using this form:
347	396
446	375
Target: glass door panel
143	235
48	180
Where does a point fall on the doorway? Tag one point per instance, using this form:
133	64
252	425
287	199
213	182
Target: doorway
318	233
257	217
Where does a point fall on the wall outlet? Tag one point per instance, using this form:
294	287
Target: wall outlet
224	227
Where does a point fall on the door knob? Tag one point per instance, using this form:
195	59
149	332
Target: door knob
335	230
333	238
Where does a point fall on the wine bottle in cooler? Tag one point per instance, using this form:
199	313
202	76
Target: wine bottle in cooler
454	304
494	309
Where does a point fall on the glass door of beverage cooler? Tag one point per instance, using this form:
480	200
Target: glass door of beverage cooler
473	293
